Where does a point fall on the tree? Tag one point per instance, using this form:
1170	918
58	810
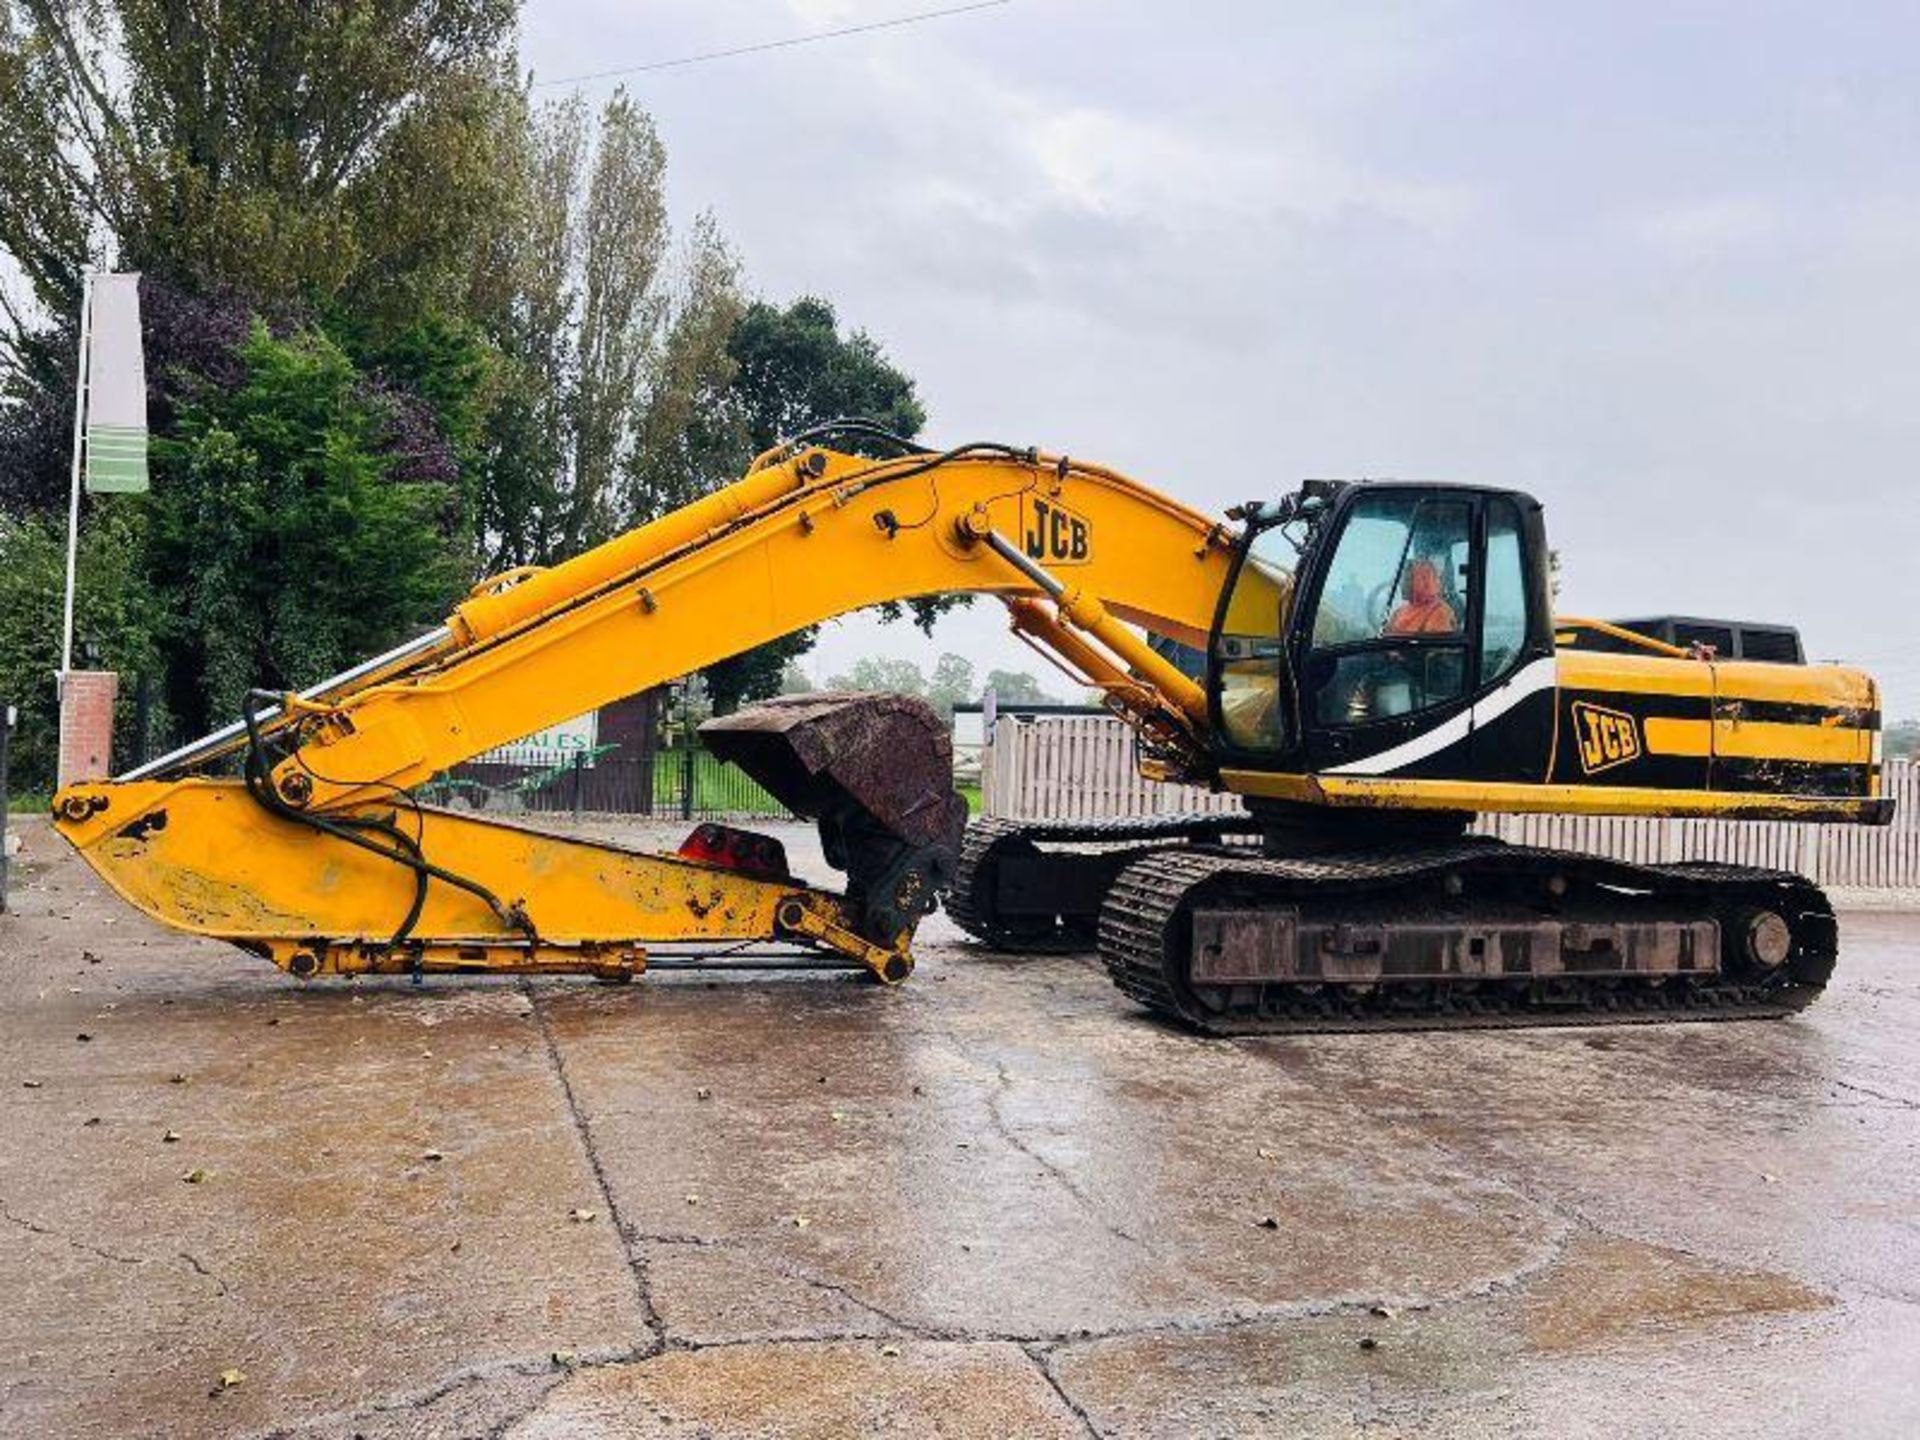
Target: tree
795	369
896	677
300	153
952	683
303	517
1017	687
115	618
613	404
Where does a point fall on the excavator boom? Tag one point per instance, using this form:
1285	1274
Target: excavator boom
320	859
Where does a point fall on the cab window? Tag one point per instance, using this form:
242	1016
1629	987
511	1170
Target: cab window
1389	635
1503	630
1249	647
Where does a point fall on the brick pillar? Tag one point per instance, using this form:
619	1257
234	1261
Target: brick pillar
86	725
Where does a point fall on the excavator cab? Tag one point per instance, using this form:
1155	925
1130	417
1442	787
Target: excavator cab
1364	626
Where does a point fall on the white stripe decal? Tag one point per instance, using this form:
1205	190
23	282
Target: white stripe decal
1542	674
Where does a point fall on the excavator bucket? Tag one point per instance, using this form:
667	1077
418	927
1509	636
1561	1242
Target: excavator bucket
876	772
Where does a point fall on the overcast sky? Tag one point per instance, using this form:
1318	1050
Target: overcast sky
1658	264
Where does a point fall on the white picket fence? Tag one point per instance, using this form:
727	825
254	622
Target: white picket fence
1082	768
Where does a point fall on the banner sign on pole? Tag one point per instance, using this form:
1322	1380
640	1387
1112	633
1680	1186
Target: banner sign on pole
116	389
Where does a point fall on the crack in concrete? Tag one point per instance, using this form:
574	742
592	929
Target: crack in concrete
1042	1358
787	1269
460	1379
1899	1102
1057	1173
201	1270
36	1228
636	1262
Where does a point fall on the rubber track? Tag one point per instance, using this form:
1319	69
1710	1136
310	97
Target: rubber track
1138	941
971	910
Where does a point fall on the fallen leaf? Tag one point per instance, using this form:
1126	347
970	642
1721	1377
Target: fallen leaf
230	1378
583	1217
170	1138
197	1176
1266	1154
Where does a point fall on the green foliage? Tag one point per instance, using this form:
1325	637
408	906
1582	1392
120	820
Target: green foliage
951	683
290	546
794	369
295	152
487	347
114	619
1017	687
872	672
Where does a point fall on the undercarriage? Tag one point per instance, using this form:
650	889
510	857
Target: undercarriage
1195	922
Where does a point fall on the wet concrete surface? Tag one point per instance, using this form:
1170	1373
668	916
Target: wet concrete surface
995	1201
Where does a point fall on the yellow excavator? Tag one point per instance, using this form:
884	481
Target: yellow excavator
1368	665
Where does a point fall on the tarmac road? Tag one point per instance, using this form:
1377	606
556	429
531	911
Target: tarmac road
995	1201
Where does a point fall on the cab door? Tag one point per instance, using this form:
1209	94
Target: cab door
1426	613
1386	656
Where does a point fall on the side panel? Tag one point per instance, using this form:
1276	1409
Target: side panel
1633	721
1795	730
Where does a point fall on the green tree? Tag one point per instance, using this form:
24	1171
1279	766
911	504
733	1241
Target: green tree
795	369
871	672
951	683
1017	687
301	153
294	538
114	621
612	408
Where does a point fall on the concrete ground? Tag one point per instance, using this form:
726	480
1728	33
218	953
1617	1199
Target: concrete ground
996	1201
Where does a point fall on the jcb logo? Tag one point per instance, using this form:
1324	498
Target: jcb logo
1053	534
1607	737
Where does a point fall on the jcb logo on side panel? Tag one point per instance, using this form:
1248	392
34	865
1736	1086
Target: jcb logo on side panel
1054	535
1607	737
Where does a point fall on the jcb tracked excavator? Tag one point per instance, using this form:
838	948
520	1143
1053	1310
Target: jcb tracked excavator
1368	665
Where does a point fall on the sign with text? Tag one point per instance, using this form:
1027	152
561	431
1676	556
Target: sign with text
555	745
